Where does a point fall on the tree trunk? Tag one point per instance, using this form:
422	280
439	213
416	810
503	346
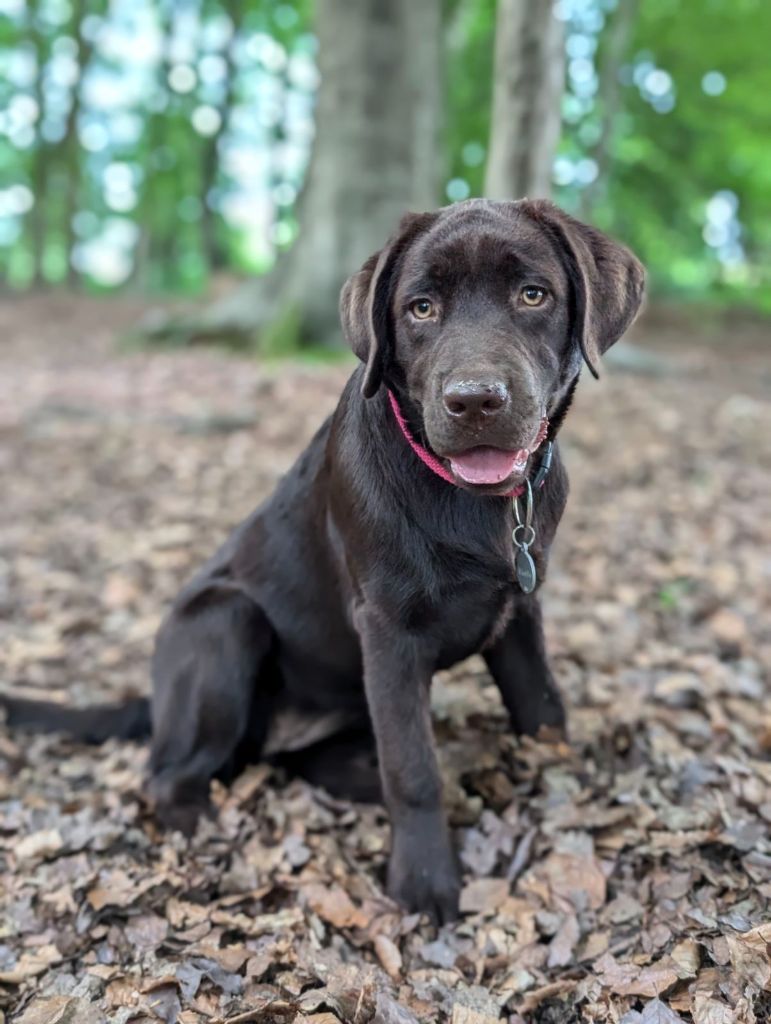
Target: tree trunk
37	217
70	145
148	255
527	91
609	99
210	241
376	154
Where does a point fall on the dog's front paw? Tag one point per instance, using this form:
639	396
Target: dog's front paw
424	876
542	715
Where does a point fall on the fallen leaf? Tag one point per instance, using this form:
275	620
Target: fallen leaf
729	628
38	846
463	1015
389	956
116	889
564	942
61	1010
553	990
750	955
575	878
656	1012
388	1011
483	895
630	980
335	906
706	1010
147	931
686	957
30	965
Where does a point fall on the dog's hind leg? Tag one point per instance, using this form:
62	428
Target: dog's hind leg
345	764
208	702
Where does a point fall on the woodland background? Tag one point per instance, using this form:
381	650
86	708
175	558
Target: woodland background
165	146
210	172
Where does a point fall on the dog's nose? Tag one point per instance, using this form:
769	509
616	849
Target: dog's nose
469	399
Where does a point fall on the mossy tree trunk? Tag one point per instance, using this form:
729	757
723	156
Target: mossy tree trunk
376	154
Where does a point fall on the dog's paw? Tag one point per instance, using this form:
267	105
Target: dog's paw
178	808
424	877
183	818
543	717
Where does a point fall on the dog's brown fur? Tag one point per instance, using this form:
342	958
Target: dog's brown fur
364	572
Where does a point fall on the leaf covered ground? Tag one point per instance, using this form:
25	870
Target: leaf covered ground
624	877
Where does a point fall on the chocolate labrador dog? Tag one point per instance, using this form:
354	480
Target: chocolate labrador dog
386	553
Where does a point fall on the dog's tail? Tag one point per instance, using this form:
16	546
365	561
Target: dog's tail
128	720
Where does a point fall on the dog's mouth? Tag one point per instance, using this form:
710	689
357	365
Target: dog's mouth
485	466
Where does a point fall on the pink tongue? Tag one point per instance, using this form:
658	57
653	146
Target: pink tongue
488	465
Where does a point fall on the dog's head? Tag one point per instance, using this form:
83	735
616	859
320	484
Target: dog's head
479	316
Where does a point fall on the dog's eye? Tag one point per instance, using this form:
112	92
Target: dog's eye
422	309
532	295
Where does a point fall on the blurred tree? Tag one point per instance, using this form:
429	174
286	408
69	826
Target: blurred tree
148	143
610	98
528	82
172	246
376	154
667	138
70	143
215	254
55	155
38	174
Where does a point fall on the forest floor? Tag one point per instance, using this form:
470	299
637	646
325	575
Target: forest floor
625	877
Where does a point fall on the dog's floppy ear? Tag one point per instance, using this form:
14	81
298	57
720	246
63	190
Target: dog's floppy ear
607	279
366	298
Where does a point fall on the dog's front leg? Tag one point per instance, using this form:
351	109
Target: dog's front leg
422	872
518	664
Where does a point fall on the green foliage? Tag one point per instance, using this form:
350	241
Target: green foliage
134	134
666	143
666	159
665	165
672	595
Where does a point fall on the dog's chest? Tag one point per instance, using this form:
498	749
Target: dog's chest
464	620
500	620
463	588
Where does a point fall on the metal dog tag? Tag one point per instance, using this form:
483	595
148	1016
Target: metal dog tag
524	566
522	537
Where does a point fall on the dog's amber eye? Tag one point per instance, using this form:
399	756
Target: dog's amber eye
422	309
532	295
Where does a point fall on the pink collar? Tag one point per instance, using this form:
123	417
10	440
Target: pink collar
425	456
